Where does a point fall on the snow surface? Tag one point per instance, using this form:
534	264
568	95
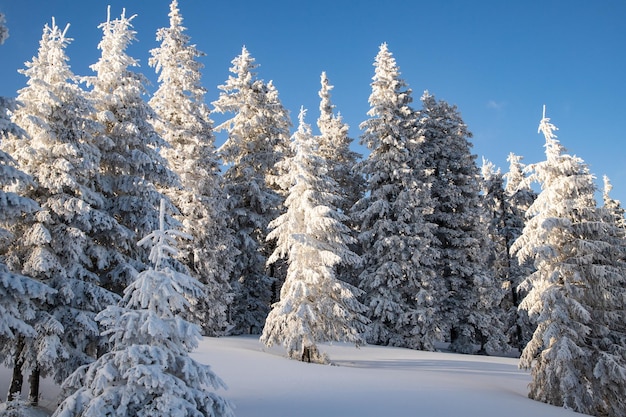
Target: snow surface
368	381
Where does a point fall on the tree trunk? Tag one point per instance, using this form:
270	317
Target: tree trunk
17	380
306	354
33	380
518	329
454	334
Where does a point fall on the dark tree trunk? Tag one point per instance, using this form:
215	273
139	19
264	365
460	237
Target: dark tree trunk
17	380
454	334
33	380
518	329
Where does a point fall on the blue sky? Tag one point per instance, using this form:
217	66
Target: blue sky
498	61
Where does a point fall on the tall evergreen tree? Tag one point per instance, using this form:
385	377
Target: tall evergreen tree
131	166
577	353
494	203
497	256
148	371
257	136
398	278
62	244
183	121
315	306
518	198
21	297
334	146
472	293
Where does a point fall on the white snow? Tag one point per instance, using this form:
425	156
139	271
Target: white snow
368	381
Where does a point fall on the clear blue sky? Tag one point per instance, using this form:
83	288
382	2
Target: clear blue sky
498	61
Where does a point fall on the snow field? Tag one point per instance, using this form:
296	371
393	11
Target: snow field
368	381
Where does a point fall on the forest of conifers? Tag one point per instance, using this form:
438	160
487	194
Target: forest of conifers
289	235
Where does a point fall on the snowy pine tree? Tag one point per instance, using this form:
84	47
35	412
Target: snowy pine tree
257	136
497	255
148	371
518	198
62	244
183	121
398	278
472	293
577	353
131	166
334	146
492	185
21	297
23	300
315	306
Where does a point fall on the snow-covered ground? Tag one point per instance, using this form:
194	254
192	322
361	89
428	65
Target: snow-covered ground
369	381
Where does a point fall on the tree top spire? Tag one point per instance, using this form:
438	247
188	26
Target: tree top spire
546	127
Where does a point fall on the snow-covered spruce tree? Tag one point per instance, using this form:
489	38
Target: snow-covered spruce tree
62	244
400	288
610	360
183	121
518	198
334	146
257	136
131	166
315	306
577	353
279	124
21	297
492	189
470	305
148	371
494	246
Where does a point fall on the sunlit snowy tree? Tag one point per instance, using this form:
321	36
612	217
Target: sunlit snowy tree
334	147
23	300
131	166
183	121
577	353
472	293
398	279
148	371
315	306
258	135
62	244
21	297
